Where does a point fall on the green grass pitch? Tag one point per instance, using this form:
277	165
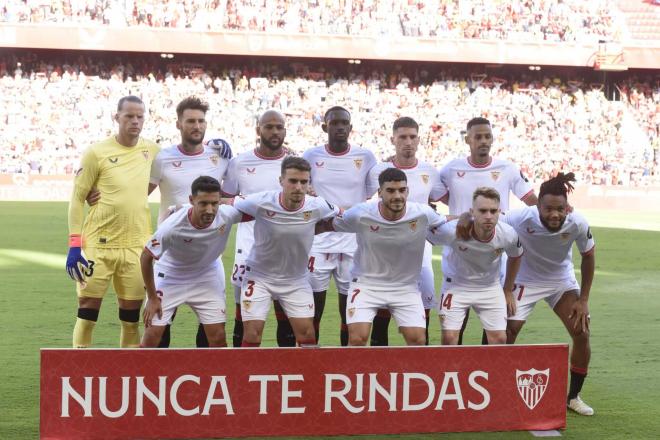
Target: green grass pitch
38	303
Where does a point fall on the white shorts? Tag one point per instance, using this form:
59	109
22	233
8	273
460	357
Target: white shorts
296	299
364	301
527	295
207	299
489	304
238	273
322	267
426	286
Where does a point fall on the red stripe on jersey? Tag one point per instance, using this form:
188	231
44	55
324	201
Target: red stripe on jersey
327	150
185	153
151	253
393	220
530	193
488	240
281	200
589	252
475	165
193	224
401	167
261	156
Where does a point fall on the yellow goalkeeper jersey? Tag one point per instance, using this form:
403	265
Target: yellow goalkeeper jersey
121	219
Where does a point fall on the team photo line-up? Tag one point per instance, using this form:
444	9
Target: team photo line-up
302	221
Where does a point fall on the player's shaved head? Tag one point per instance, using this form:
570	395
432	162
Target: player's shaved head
130	98
270	116
271	130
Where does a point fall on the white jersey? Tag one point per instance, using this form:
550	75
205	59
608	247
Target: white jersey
474	263
186	253
174	170
282	238
389	253
461	178
424	182
341	179
250	173
548	255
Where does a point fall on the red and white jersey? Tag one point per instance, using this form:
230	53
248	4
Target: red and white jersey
475	263
461	178
341	179
424	182
282	238
250	173
389	253
188	253
548	255
174	170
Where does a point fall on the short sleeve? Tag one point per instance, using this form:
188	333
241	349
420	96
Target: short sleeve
158	243
230	214
442	235
326	209
438	188
514	248
156	169
372	180
513	218
347	221
585	239
435	220
519	184
230	182
247	205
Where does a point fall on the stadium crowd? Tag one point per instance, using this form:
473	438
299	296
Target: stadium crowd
547	20
52	110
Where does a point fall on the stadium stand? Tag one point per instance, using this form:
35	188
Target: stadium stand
642	18
542	121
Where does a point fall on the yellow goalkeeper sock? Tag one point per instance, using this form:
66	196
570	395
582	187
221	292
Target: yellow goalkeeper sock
130	333
82	333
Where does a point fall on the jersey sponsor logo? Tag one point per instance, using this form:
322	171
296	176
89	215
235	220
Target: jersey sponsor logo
155	243
413	225
214	159
113	159
307	215
177	164
530	230
145	153
495	175
532	385
78	171
460	173
319	164
358	163
425	178
251	170
462	248
374	228
187	240
270	213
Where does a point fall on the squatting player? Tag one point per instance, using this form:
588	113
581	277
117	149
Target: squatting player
547	232
276	269
116	228
339	175
472	274
391	235
188	271
424	186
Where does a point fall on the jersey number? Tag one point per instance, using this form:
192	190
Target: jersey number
238	277
446	301
249	290
355	293
90	269
521	291
310	264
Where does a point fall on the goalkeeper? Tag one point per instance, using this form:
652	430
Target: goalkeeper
115	229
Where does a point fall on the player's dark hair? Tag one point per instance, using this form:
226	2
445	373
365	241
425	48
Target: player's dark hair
191	103
405	122
336	108
560	185
129	98
296	163
391	175
205	184
477	121
487	193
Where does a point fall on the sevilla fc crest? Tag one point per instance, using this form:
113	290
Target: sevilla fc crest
495	175
532	385
351	312
221	229
307	215
425	178
413	225
247	304
214	159
499	251
145	153
358	163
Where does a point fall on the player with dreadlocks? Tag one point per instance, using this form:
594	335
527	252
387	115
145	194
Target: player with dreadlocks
547	232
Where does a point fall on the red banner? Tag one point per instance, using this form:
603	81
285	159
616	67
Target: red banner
130	394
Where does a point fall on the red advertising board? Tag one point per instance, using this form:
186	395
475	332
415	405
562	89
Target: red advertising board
131	394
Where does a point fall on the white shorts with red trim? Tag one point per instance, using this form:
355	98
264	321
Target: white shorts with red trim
322	267
206	299
528	294
405	304
296	298
488	302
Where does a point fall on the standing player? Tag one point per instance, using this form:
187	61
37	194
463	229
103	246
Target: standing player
391	236
284	228
339	175
187	246
472	275
547	232
424	186
248	173
462	177
116	228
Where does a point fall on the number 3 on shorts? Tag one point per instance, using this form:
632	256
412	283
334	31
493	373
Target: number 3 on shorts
249	290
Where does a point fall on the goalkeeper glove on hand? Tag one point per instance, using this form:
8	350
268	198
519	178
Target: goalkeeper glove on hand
221	146
75	259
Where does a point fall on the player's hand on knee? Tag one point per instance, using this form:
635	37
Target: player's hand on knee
511	306
75	259
93	197
153	308
580	315
222	147
464	226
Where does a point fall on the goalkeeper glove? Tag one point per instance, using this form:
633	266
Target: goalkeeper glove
221	146
74	260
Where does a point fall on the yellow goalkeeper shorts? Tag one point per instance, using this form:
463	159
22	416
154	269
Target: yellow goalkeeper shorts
121	266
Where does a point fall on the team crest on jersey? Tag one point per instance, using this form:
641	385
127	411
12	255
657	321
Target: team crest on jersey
251	170
145	153
413	225
319	164
374	228
177	164
425	178
532	385
221	229
351	312
307	215
499	251
113	159
530	230
460	173
358	163
247	304
155	243
495	175
214	159
270	213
